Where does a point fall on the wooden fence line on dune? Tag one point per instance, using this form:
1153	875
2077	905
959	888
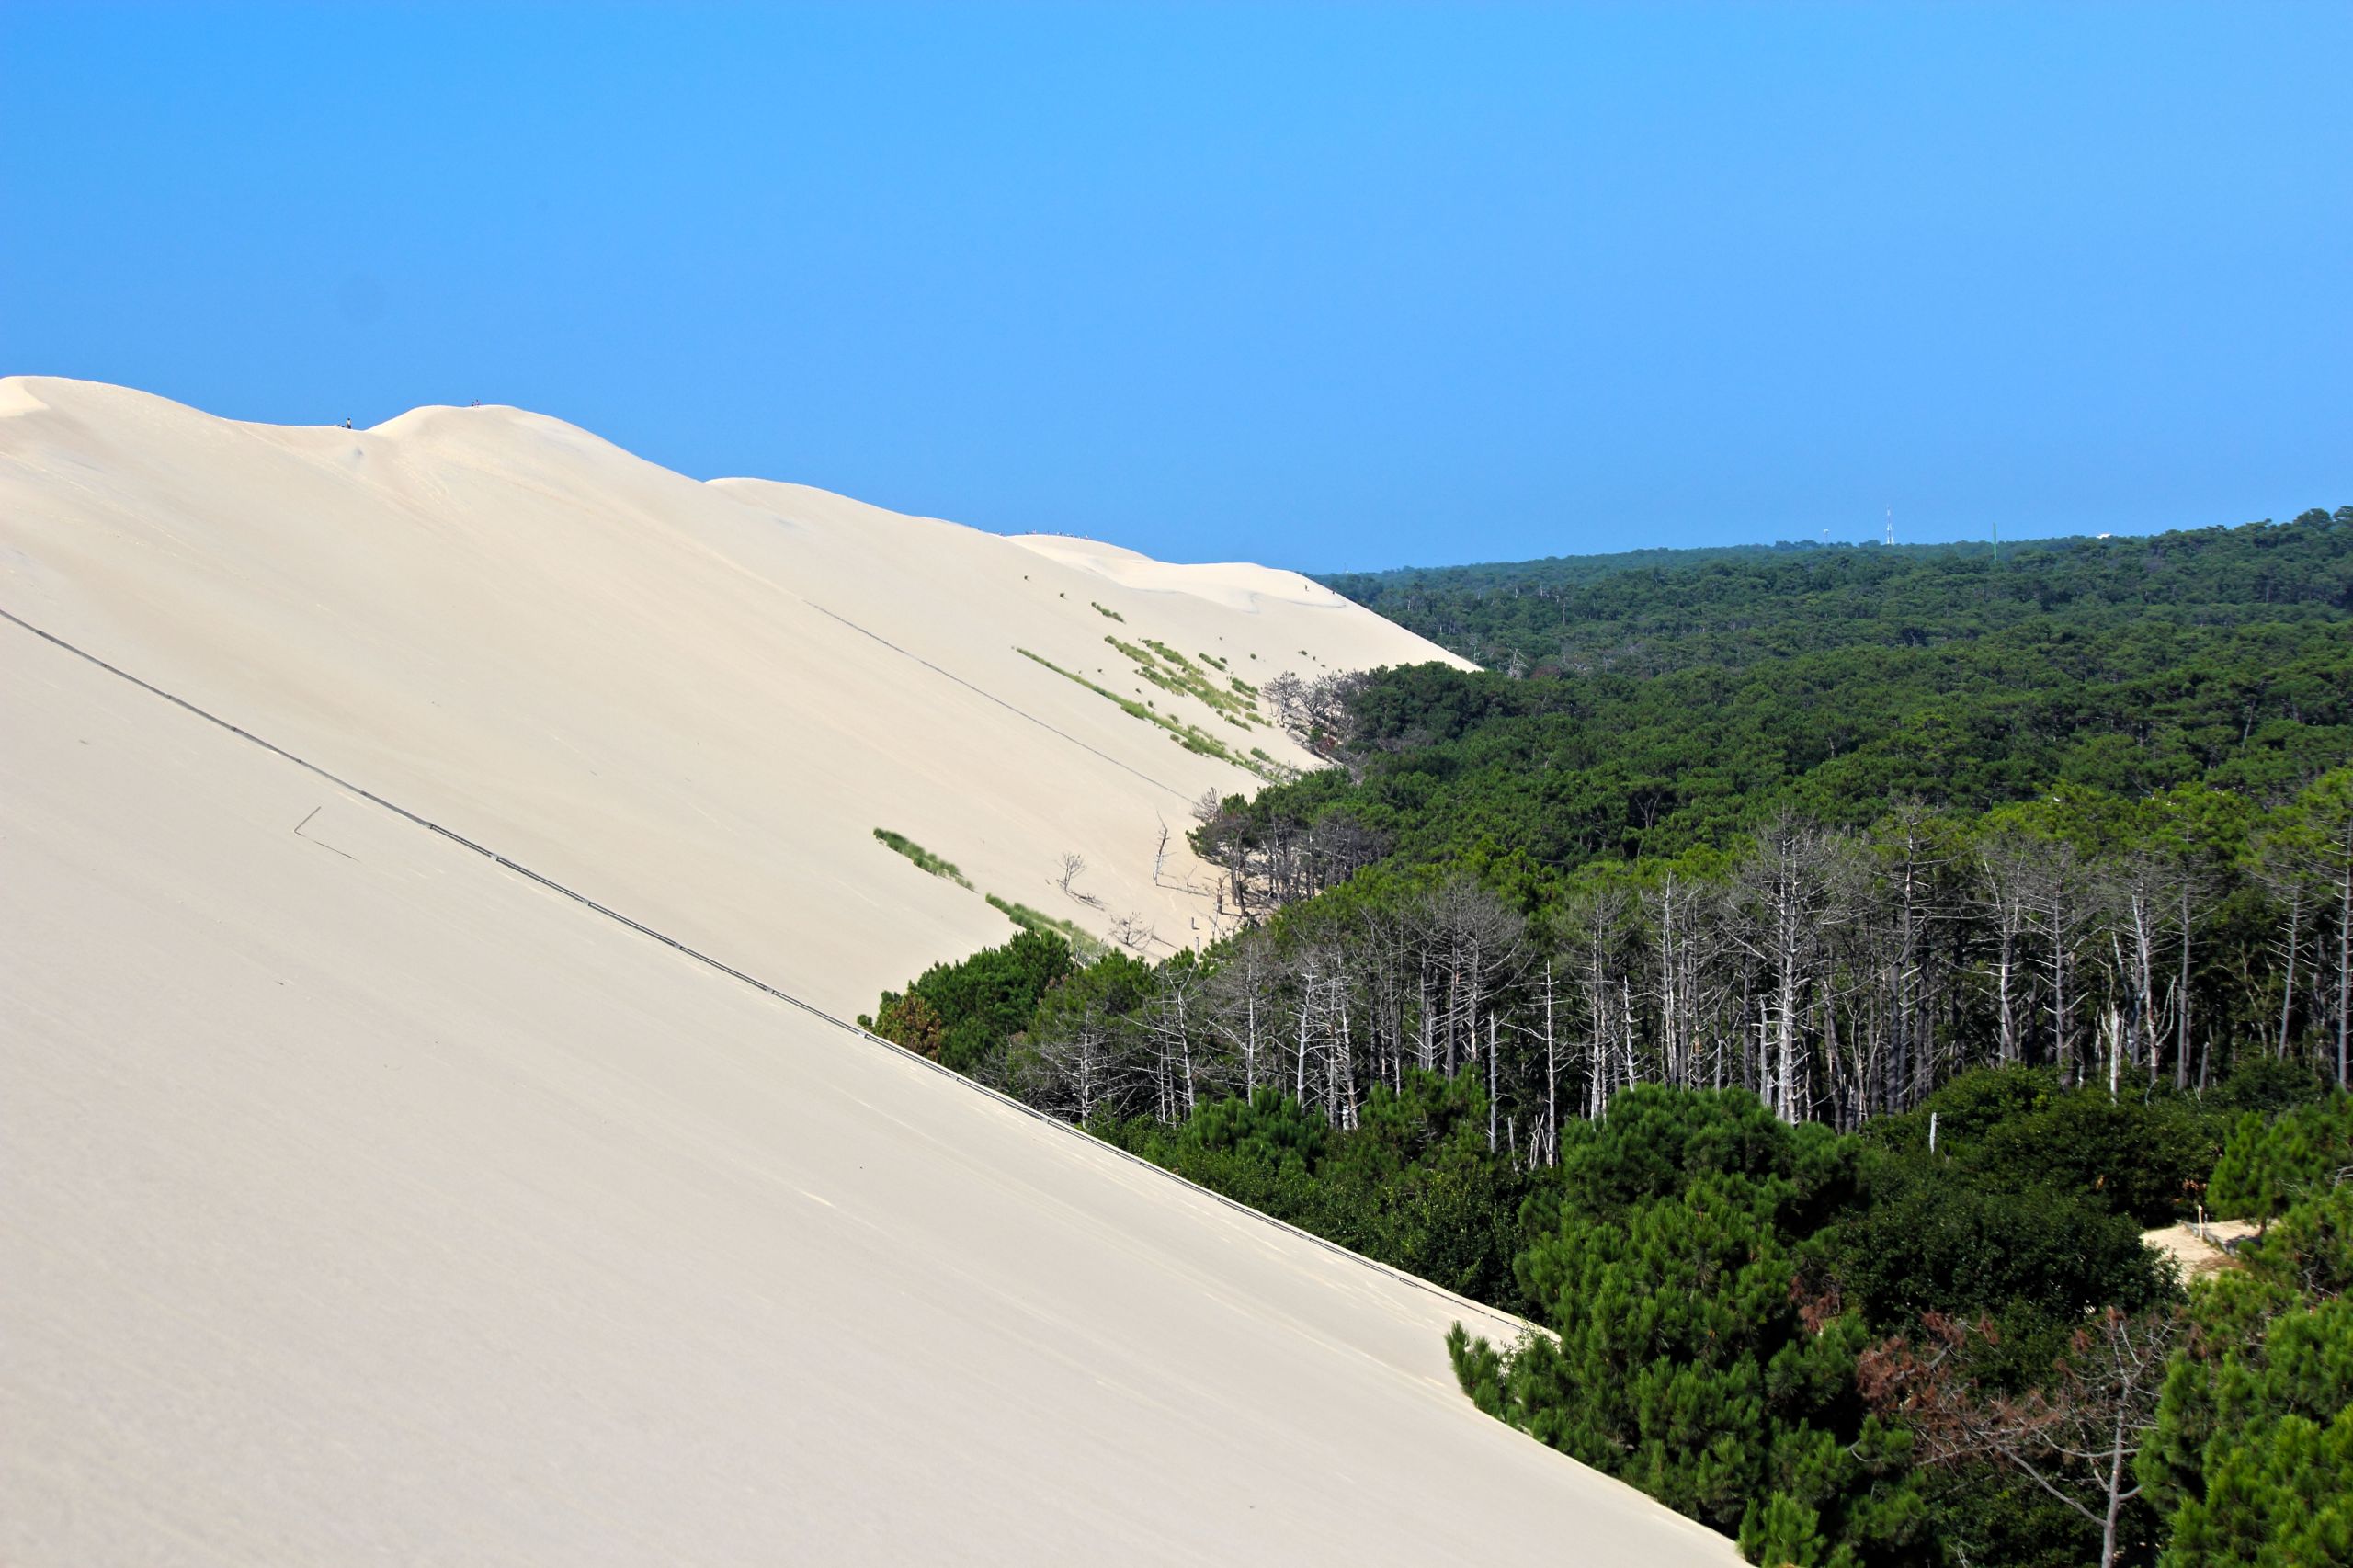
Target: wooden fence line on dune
897	1051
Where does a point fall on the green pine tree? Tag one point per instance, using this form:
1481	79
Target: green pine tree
2252	1455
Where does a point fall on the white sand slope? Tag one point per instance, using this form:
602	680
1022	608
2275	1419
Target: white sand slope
367	1201
695	700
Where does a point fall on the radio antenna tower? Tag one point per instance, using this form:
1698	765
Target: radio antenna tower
1891	525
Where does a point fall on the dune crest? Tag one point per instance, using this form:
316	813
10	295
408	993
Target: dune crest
699	700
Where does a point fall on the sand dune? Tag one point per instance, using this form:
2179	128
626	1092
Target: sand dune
701	700
368	1202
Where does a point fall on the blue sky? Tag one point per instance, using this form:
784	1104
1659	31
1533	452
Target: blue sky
1332	287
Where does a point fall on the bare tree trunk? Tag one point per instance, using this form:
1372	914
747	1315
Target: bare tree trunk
2288	987
2141	972
1670	1024
1495	1095
2117	1457
1306	1007
1428	1062
1341	1074
2005	964
1185	1047
2344	959
1453	1003
1785	1041
1784	893
2058	914
1552	1139
1626	1028
1250	1041
2060	964
2181	1033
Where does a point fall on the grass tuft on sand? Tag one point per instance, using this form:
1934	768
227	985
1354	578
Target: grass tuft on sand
924	858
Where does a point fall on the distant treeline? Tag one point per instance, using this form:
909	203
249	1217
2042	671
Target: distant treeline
1647	611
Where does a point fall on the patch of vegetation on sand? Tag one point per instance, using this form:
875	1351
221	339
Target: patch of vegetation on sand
1085	946
1192	737
1174	673
924	858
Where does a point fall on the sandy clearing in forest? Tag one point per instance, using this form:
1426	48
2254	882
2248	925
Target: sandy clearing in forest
2200	1250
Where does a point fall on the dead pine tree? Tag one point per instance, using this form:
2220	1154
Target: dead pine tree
1077	1070
1479	947
1339	1059
1494	1088
2005	878
1241	1004
2138	892
1308	976
2076	1438
1073	866
1671	909
1170	1020
2193	895
2061	911
1379	946
1134	933
2284	869
2328	806
1594	923
1783	899
1907	871
1548	1139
